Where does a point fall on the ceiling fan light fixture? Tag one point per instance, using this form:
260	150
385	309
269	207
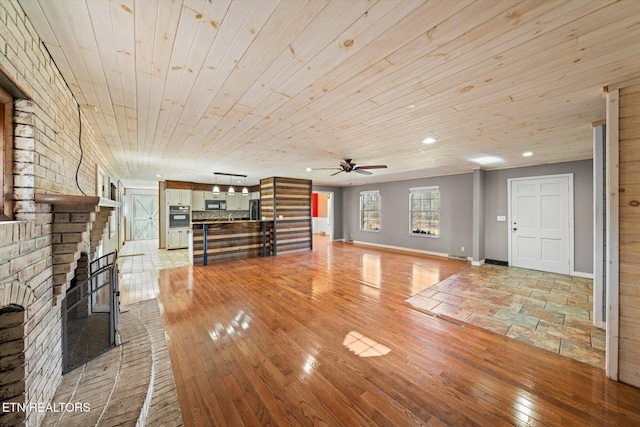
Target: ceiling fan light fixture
429	140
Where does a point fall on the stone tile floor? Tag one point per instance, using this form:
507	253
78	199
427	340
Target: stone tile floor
139	263
547	310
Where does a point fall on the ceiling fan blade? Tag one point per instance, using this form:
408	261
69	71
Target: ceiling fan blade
345	165
372	167
336	172
325	169
363	172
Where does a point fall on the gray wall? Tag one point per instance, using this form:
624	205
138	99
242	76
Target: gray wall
496	233
337	209
457	212
456	199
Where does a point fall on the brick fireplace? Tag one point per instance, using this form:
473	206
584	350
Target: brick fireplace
50	151
41	261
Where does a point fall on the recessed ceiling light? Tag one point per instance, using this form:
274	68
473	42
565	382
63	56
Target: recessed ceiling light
527	154
309	169
411	106
487	160
429	140
158	176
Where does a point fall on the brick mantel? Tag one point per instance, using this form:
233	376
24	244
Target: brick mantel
71	199
78	226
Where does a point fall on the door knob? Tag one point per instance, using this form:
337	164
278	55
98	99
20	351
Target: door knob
515	229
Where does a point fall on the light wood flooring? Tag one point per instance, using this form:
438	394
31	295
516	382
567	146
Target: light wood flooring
326	338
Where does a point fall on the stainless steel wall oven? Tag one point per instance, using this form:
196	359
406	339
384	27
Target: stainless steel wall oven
179	216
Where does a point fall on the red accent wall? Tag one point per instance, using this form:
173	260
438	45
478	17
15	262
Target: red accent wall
314	205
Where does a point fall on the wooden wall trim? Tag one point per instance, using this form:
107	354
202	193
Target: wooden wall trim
611	362
617	86
628	131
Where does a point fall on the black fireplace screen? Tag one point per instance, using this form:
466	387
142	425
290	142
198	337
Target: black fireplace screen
90	314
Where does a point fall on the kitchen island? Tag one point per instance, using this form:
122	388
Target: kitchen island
219	240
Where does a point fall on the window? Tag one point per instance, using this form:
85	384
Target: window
424	206
6	155
370	211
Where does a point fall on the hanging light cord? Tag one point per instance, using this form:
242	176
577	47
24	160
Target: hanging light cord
81	152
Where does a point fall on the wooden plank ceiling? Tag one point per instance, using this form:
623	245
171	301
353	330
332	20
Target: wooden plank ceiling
184	88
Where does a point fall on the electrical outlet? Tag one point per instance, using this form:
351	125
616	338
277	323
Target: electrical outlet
462	249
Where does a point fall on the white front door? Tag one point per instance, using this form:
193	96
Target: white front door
541	223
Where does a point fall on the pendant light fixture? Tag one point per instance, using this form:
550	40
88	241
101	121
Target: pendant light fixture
245	190
216	189
231	191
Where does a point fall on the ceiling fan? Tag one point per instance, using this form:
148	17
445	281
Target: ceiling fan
348	166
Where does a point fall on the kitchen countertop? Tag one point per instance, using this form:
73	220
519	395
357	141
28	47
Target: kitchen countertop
222	221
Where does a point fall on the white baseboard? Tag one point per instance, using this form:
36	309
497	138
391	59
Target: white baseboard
399	248
580	274
477	263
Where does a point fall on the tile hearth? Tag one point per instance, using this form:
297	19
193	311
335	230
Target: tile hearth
547	310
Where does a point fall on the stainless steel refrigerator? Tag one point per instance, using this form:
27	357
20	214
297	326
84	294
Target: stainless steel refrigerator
254	209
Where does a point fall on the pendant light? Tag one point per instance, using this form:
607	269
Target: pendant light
245	190
231	191
216	189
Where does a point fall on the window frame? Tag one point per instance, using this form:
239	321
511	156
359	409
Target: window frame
6	155
420	190
362	210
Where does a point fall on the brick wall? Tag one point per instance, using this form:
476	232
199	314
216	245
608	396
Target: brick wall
46	156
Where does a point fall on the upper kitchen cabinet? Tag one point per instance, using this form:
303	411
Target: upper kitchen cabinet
219	196
243	202
255	195
197	199
237	202
179	197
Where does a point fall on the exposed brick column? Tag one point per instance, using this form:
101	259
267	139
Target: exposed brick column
99	227
71	236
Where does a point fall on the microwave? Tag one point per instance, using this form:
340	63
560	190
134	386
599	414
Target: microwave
215	205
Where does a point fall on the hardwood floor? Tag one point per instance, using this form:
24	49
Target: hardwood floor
261	342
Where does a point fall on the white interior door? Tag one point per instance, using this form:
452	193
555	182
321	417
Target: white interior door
541	223
145	217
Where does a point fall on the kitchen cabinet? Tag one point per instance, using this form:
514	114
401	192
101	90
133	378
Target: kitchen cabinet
178	238
220	196
232	202
237	202
255	195
179	197
243	202
197	200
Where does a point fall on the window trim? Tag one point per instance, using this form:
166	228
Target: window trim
429	188
369	230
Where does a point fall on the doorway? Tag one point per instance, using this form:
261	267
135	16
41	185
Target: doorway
541	223
322	213
145	217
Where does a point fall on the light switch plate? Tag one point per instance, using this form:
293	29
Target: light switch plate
502	218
